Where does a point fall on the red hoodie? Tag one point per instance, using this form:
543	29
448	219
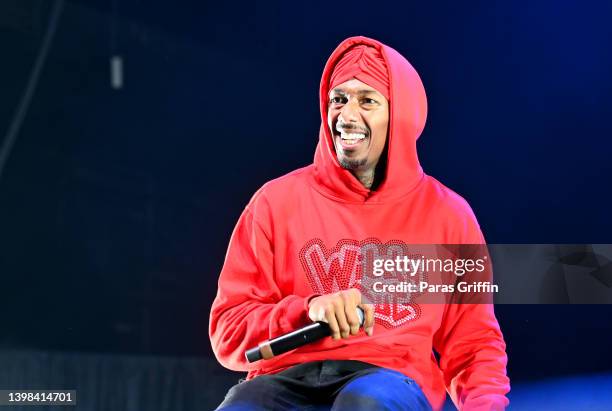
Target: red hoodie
297	236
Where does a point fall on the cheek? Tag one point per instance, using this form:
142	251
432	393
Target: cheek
331	119
379	132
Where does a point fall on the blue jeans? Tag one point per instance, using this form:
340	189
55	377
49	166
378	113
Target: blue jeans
328	385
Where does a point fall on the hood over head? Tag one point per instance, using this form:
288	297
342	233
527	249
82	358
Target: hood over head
365	64
366	59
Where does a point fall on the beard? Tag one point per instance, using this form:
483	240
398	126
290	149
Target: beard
350	164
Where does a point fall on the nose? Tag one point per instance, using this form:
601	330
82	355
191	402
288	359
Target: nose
350	112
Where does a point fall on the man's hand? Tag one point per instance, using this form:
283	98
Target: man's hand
339	310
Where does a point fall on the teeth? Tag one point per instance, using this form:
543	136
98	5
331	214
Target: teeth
352	136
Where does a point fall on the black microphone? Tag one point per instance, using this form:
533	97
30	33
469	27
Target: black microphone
287	342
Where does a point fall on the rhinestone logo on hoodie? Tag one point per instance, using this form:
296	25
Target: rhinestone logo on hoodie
342	267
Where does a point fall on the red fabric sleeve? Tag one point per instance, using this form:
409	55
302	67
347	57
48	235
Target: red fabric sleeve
249	306
471	346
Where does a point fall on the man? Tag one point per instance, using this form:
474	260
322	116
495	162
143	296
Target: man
295	252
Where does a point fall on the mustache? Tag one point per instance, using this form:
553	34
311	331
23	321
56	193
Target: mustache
350	127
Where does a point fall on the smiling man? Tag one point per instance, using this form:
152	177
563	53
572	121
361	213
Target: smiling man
358	116
298	251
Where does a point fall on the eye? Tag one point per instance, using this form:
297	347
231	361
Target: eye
369	101
337	100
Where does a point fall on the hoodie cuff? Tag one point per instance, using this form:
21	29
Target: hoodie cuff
295	314
307	301
490	402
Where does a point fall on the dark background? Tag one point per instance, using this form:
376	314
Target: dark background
116	206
